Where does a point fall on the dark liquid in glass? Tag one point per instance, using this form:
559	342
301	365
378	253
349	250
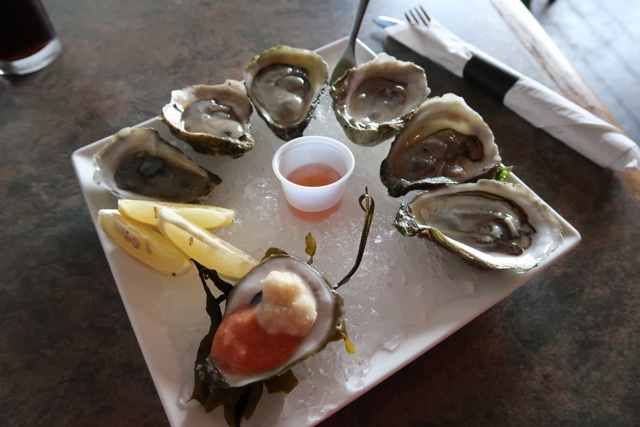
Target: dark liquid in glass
24	29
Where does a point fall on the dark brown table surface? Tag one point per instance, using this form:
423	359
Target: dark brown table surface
562	350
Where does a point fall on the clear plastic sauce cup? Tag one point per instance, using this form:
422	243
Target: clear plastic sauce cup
312	161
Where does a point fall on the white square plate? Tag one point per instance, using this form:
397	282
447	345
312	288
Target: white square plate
407	296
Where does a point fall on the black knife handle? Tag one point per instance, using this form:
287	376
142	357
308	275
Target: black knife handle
490	75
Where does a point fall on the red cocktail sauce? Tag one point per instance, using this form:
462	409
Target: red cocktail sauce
242	346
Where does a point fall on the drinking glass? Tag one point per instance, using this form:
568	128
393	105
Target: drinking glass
28	41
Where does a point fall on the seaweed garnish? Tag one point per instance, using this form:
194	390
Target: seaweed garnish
368	208
503	172
209	389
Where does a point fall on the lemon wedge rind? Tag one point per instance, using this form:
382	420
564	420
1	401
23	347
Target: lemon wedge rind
144	243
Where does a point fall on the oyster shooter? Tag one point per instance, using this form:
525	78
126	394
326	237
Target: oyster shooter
280	313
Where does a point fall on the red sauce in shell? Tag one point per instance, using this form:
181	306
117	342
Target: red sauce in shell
242	346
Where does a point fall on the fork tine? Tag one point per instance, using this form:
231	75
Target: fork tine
424	16
415	18
417	15
409	19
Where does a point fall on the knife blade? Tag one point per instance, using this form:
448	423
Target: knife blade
387	21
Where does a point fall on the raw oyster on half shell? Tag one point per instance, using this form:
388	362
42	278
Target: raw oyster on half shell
490	224
213	119
284	84
444	142
136	163
373	101
249	293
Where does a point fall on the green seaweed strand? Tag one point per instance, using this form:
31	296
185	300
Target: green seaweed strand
368	209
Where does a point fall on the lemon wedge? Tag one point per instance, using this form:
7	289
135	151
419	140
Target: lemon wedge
144	243
206	248
145	211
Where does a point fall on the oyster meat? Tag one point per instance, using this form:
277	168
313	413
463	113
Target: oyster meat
490	224
136	163
373	101
284	85
213	119
444	142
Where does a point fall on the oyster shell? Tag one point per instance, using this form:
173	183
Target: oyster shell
329	319
212	119
490	224
136	163
284	84
444	142
373	101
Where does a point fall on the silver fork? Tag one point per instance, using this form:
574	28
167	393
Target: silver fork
417	16
348	59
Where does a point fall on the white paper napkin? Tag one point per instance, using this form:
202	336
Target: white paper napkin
599	141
